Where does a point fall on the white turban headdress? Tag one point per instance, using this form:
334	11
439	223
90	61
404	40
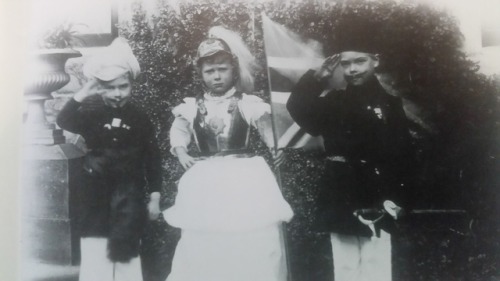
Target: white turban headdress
112	62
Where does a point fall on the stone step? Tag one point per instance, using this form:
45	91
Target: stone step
33	271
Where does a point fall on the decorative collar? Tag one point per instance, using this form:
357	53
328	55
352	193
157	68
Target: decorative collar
227	95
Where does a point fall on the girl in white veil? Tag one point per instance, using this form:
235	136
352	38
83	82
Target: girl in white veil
229	205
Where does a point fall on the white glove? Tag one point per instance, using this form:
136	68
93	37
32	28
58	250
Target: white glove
392	209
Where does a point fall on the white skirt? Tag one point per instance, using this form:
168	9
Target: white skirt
244	256
230	211
228	194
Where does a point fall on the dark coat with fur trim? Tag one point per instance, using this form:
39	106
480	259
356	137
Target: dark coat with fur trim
368	128
122	160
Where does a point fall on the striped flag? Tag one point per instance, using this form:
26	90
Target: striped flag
289	56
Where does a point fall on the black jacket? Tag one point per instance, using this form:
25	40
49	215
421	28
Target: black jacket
123	159
368	128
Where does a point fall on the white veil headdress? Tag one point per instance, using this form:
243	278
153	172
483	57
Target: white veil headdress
246	60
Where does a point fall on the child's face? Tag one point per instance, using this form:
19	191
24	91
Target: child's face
358	67
217	73
116	93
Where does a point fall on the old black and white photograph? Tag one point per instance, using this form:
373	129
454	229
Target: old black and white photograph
253	140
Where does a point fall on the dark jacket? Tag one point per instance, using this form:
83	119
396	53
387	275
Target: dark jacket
123	159
368	128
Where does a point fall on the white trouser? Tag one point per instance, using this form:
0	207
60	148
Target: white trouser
357	258
96	266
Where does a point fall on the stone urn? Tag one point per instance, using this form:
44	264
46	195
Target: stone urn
46	74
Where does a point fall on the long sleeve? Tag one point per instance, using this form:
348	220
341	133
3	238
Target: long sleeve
180	133
70	118
181	130
257	113
153	161
264	126
401	155
305	106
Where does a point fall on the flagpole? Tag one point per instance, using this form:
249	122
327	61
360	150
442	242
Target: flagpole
277	171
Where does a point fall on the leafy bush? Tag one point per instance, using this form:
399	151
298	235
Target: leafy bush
422	57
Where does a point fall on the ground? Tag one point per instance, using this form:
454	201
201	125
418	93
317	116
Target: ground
425	248
419	255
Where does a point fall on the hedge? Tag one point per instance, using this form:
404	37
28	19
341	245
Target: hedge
424	63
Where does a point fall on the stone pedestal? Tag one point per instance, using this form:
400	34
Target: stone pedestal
51	175
51	170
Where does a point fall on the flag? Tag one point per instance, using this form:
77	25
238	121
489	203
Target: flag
289	56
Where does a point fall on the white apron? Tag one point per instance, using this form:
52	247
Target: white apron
230	208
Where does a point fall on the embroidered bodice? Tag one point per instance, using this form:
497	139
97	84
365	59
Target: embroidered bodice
219	124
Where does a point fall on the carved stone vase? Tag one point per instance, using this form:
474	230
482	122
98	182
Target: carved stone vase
46	74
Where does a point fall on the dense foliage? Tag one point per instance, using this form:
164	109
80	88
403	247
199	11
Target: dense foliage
423	62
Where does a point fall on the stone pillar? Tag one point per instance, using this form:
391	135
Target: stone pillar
51	172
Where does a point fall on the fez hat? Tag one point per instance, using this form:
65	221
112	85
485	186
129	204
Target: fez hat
357	34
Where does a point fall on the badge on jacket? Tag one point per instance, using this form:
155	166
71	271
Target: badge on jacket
377	111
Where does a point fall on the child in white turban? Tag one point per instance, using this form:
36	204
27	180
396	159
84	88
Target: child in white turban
122	162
